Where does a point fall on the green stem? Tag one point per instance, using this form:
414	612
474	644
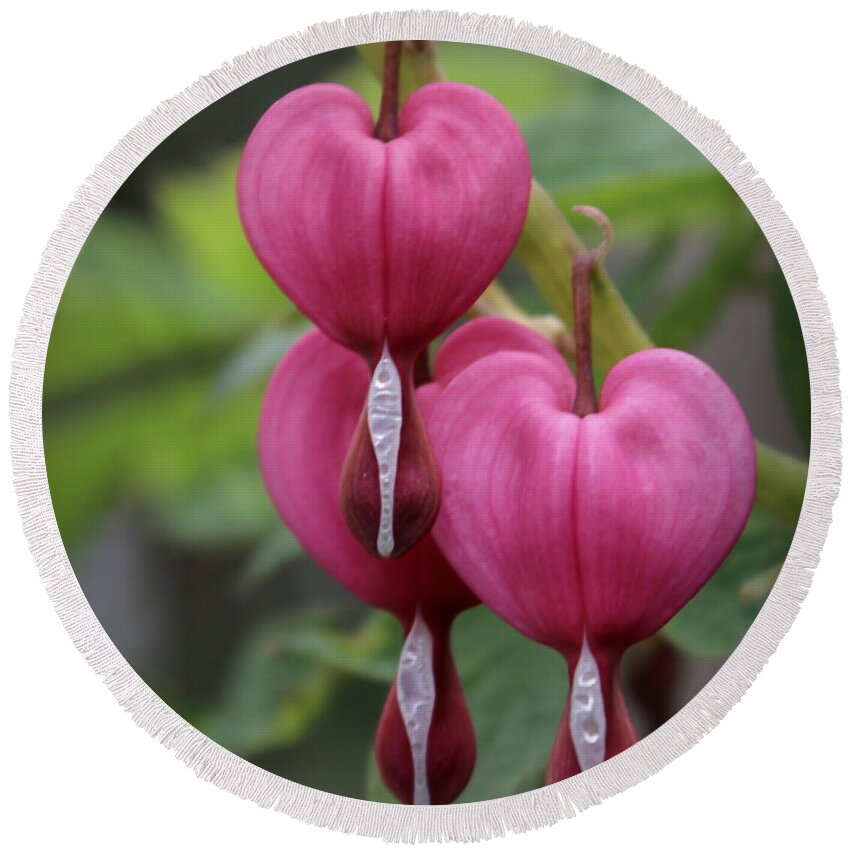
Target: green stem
759	586
780	482
547	248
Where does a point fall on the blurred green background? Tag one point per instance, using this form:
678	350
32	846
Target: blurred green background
167	332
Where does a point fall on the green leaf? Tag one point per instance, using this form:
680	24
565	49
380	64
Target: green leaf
228	507
627	139
253	362
277	549
197	210
640	283
693	311
372	652
129	409
791	356
516	690
90	451
271	696
780	483
715	621
283	676
525	84
158	444
615	154
128	311
640	204
332	753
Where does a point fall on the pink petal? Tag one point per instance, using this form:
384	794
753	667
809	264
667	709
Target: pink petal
451	747
596	528
482	337
458	181
505	442
311	192
620	732
665	483
416	494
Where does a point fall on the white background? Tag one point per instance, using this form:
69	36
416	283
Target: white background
75	769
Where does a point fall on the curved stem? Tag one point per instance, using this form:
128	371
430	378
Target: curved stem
585	388
419	65
583	267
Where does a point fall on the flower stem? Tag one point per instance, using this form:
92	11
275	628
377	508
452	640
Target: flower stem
780	482
585	401
419	65
386	129
583	266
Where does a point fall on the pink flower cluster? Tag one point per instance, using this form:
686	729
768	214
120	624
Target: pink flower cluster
424	492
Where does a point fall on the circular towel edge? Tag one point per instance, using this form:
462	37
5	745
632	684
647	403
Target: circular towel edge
459	822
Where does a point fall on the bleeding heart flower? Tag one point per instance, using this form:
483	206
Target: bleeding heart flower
587	528
425	744
383	244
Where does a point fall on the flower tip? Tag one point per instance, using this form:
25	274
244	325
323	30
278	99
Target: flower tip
450	752
599	217
389	531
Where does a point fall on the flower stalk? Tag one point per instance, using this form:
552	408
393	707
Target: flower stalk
386	128
583	266
419	65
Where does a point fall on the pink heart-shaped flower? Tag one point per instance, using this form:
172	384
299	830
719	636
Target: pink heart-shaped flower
384	241
311	409
593	531
383	245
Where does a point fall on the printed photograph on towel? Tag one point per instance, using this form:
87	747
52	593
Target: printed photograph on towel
426	422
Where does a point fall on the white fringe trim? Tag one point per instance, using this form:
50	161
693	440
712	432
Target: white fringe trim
473	821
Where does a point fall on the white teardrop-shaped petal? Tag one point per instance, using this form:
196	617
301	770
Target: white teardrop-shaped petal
587	711
383	413
416	693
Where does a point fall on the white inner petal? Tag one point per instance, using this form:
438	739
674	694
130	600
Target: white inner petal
416	693
383	412
587	711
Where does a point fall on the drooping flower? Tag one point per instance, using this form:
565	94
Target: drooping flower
588	527
383	244
425	744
